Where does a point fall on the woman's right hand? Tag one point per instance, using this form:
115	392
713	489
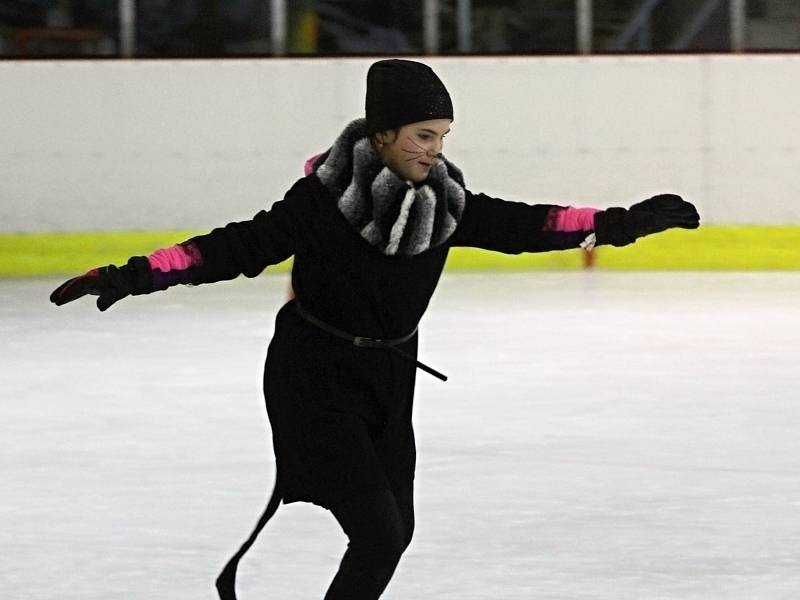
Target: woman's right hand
109	283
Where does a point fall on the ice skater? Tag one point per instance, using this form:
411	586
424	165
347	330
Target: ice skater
369	227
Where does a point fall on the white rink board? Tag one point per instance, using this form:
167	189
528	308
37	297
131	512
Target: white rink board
155	145
603	436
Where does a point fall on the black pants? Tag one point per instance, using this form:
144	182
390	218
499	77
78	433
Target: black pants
379	525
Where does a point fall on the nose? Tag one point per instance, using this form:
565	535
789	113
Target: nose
435	150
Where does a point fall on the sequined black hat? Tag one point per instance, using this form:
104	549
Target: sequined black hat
400	92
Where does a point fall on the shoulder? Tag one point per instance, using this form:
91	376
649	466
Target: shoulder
309	185
305	190
475	201
307	200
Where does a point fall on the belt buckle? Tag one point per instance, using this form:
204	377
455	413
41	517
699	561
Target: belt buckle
365	342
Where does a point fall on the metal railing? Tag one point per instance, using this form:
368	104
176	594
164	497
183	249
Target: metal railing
634	34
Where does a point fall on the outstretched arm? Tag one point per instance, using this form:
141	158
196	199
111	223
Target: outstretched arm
516	227
242	248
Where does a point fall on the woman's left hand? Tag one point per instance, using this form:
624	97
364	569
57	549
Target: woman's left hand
620	226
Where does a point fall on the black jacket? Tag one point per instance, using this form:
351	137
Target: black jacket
340	278
341	415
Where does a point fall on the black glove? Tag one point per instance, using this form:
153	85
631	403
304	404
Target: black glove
620	226
110	283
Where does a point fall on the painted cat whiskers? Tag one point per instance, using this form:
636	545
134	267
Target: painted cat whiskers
416	153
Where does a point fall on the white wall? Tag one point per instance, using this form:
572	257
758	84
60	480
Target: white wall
130	145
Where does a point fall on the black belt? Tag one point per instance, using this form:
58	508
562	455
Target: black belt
366	342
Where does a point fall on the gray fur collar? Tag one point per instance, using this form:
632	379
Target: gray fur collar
391	214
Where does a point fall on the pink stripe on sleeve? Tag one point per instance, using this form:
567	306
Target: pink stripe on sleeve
176	258
572	219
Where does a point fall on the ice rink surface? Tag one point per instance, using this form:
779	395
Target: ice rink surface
602	435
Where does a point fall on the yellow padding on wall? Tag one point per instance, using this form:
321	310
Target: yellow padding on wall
709	248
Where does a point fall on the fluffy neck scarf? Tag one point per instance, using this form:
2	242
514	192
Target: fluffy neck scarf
392	214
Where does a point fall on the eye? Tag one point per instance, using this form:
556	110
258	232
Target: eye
425	136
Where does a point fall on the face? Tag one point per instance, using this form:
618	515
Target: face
414	149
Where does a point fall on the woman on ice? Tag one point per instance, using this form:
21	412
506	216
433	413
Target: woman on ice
369	227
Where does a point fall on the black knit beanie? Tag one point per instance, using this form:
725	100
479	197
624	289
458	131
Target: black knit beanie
400	92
